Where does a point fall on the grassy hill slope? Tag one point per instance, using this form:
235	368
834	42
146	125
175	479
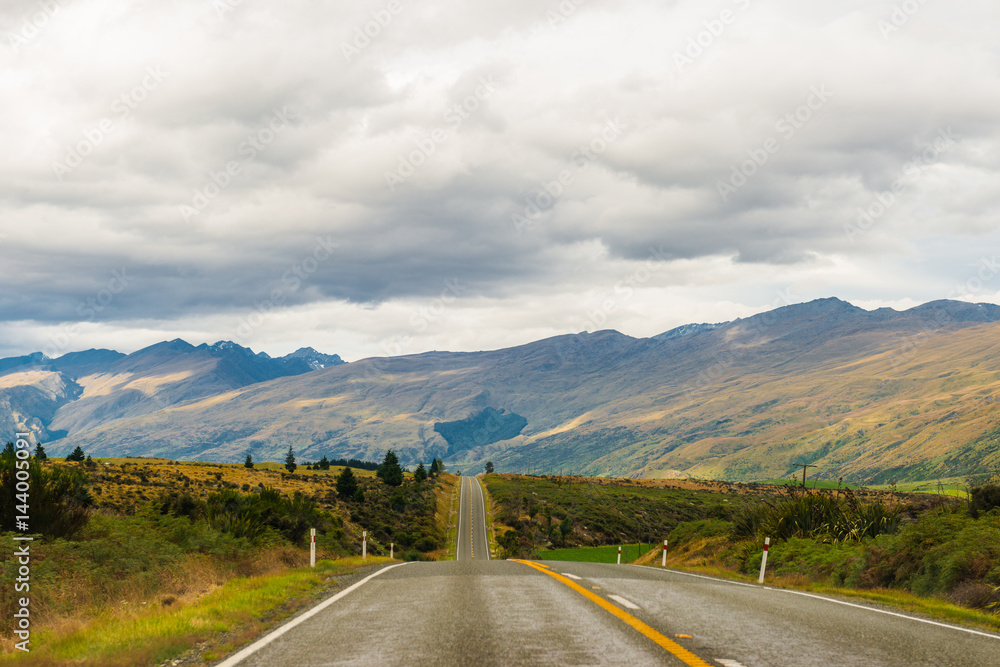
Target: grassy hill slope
872	396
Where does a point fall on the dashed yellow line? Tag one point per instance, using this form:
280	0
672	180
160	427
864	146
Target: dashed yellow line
675	649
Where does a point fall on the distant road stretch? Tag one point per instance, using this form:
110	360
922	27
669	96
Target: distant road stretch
472	542
479	612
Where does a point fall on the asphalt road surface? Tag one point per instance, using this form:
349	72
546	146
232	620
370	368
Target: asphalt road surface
471	539
478	612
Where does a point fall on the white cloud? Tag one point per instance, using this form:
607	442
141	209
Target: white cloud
558	84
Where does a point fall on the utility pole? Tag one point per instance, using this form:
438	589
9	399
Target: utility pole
804	466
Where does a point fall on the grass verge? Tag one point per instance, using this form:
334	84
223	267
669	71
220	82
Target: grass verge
603	554
229	617
491	536
452	535
905	601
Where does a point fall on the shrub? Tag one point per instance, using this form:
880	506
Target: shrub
57	501
748	520
815	516
425	544
983	499
691	530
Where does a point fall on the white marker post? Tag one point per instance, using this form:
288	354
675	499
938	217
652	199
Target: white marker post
312	547
763	560
619	555
392	546
664	564
364	545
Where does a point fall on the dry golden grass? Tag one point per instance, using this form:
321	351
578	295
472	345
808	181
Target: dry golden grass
122	484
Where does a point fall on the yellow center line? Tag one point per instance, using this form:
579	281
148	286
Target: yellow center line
678	651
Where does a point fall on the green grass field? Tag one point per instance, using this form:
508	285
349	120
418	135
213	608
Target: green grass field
605	554
948	488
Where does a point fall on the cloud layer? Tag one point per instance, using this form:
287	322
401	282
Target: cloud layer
397	176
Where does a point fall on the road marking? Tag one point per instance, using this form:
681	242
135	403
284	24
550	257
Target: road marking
729	663
572	576
623	602
486	535
834	600
264	641
891	613
675	649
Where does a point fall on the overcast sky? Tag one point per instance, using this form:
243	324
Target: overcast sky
379	177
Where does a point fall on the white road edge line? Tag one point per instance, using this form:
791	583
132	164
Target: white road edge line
729	663
834	600
628	604
267	639
571	576
486	533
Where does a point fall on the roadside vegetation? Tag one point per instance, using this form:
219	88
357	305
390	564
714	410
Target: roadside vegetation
120	540
886	545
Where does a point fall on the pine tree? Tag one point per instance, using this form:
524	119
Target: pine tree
434	467
390	472
420	474
489	467
77	455
290	460
324	463
8	449
347	484
249	462
40	453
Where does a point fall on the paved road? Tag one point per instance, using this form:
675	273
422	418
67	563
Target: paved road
471	538
478	612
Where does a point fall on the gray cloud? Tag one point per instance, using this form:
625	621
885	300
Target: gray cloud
159	148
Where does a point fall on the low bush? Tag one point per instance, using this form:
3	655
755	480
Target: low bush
983	498
58	499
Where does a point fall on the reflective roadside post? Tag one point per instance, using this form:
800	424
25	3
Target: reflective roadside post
763	560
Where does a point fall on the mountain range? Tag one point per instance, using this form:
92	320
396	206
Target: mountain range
871	396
